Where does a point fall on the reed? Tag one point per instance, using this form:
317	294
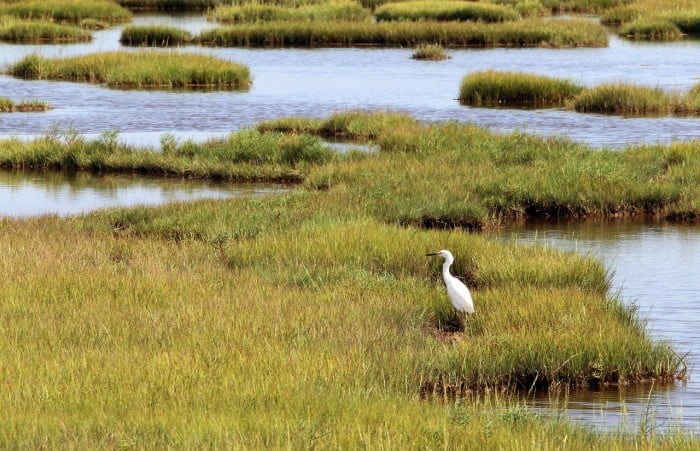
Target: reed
515	88
523	33
620	98
445	11
141	69
25	106
156	36
263	12
34	31
430	52
66	10
651	29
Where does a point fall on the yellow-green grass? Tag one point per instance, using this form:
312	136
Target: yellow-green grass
37	31
685	15
171	5
143	341
430	52
445	11
243	156
651	29
457	175
142	69
523	33
66	10
515	88
155	35
584	6
25	106
343	10
620	98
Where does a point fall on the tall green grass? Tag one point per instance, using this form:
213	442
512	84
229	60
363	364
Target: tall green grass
524	33
618	98
650	29
430	52
36	31
264	12
66	10
142	69
25	106
445	11
170	5
514	88
161	36
242	156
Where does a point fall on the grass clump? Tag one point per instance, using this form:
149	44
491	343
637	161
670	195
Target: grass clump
171	5
523	33
66	10
654	30
154	35
35	31
445	11
515	88
430	52
142	69
25	106
267	12
620	98
243	156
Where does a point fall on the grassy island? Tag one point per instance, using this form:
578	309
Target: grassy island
37	31
313	318
142	69
25	106
153	35
66	10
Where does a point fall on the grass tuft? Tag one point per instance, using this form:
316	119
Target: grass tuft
26	106
156	36
515	88
430	52
445	11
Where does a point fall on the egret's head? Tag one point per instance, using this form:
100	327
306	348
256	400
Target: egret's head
447	255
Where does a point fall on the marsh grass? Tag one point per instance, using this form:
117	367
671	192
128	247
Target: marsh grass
35	31
25	106
309	319
141	69
515	88
620	98
66	10
651	29
445	11
430	52
522	33
264	12
153	35
171	5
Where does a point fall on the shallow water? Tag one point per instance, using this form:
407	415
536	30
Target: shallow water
318	82
24	194
656	266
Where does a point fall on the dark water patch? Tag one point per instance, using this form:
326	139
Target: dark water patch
25	194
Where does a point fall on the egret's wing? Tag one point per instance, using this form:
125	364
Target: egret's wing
460	296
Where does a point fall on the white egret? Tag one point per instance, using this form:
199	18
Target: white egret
459	293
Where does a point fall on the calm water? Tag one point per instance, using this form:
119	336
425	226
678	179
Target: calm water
655	265
319	82
30	194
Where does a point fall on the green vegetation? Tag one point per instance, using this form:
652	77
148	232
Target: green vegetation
35	31
430	52
9	106
445	11
523	33
515	88
244	156
494	88
343	10
656	30
618	98
218	323
142	69
171	5
66	10
154	35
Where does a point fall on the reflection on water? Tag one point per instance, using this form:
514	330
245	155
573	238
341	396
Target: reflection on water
317	82
655	265
31	194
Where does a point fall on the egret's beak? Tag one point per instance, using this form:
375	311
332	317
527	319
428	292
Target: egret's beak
431	255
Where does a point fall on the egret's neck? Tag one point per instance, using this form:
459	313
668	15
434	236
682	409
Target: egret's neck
446	267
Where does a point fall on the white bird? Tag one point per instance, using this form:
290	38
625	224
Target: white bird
459	293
